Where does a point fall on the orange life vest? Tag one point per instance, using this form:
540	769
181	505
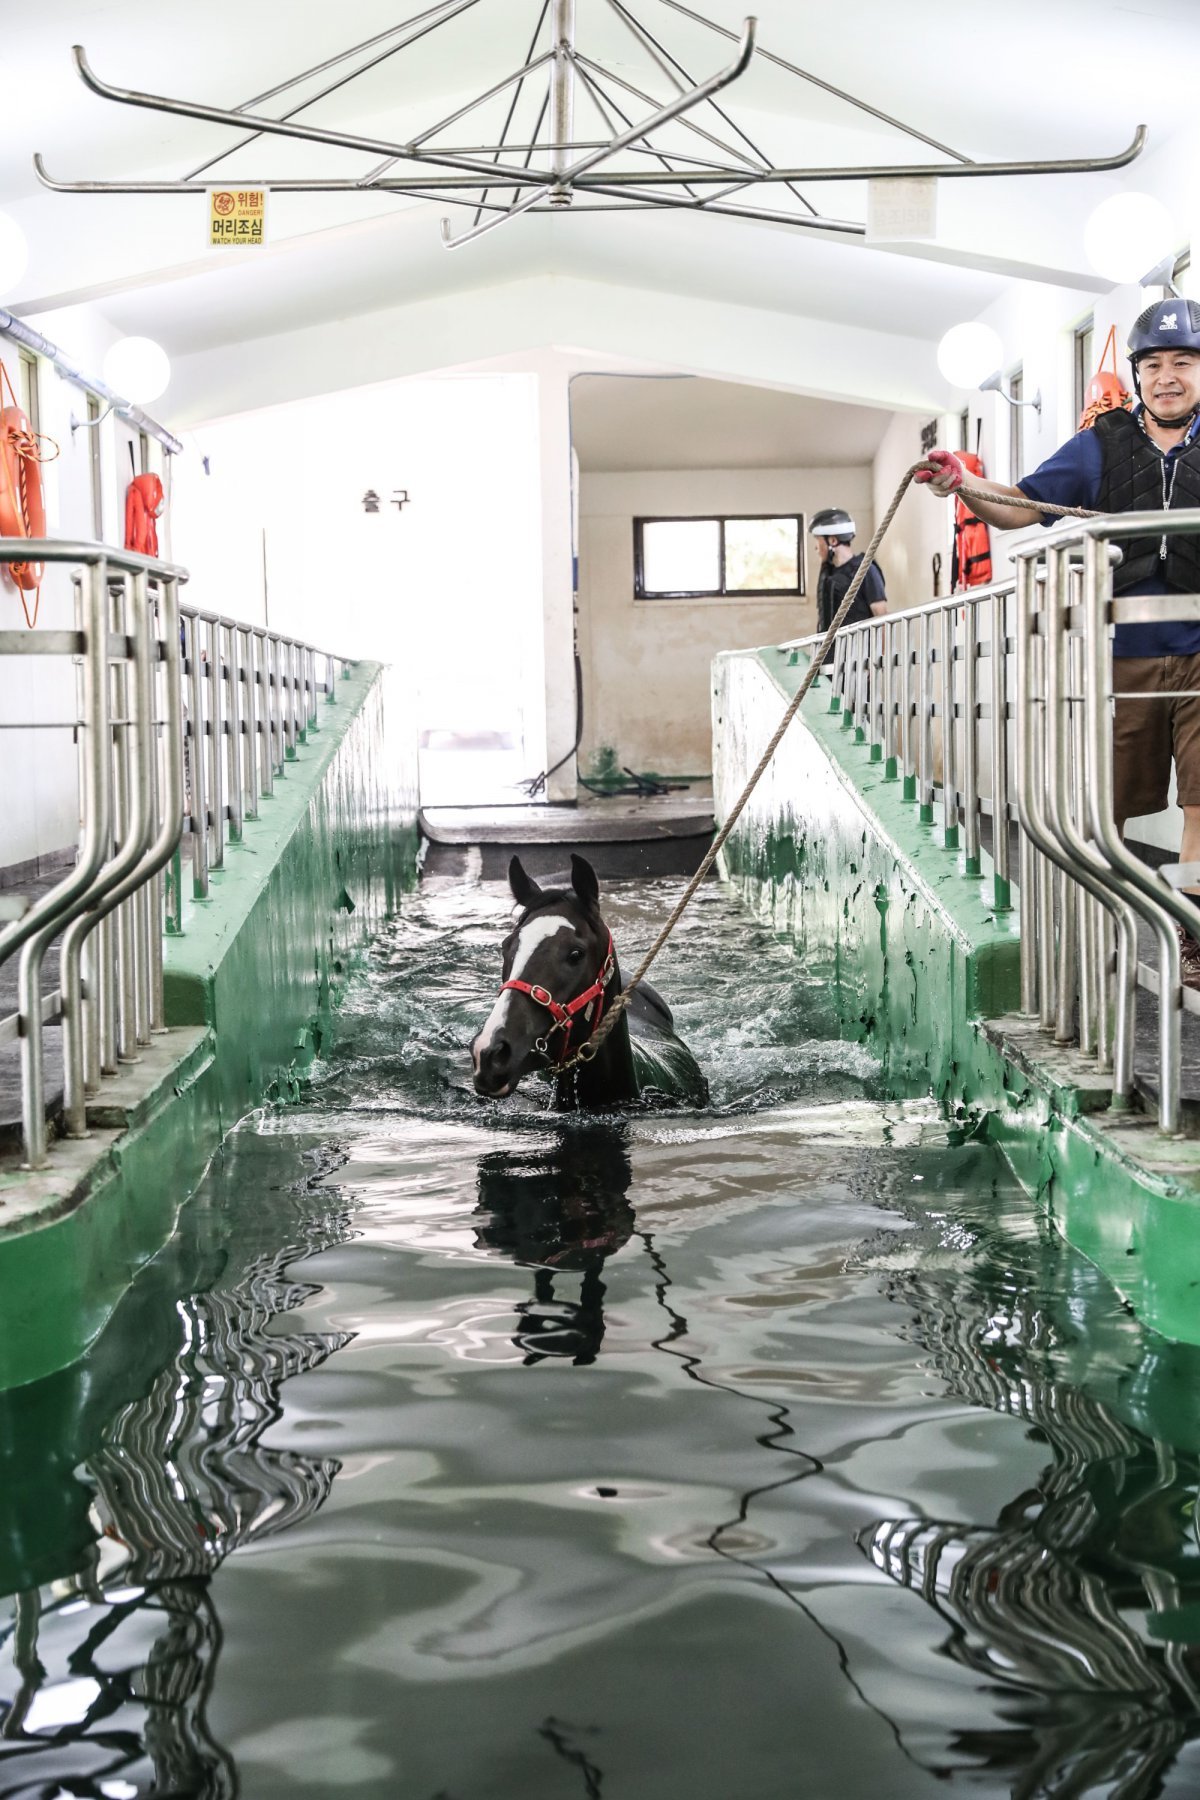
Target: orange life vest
972	542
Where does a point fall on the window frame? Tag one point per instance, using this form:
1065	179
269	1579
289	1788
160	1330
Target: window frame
1084	333
29	370
1016	423
95	463
720	520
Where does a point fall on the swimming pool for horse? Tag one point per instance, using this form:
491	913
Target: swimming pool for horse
778	1445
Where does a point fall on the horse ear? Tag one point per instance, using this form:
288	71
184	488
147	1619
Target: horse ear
583	880
525	891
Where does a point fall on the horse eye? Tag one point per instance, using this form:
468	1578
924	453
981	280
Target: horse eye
575	956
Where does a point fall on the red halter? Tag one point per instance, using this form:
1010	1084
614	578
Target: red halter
564	1016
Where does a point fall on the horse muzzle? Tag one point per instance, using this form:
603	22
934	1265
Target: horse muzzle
496	1068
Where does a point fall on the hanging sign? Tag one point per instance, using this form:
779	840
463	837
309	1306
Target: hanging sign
237	217
902	206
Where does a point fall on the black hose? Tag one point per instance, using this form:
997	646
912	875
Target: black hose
536	784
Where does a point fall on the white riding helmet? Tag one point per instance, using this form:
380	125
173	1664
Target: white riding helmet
832	522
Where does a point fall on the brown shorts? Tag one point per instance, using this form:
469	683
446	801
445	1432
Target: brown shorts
1149	734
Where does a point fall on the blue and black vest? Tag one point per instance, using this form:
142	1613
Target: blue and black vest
1137	477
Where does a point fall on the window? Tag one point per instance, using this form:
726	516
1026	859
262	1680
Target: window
93	436
1016	426
30	398
1085	350
964	428
675	559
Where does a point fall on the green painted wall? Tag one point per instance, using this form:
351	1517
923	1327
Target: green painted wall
264	958
259	968
924	971
906	941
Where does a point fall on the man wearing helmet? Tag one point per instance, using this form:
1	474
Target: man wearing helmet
834	529
1137	462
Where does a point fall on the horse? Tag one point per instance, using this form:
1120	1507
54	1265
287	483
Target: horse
559	975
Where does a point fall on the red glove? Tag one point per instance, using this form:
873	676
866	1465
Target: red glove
948	475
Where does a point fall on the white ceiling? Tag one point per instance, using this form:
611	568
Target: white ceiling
1023	79
638	422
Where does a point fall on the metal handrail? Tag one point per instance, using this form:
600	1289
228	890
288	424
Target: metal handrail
909	686
894	682
152	768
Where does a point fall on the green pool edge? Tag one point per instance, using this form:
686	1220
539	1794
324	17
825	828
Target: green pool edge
924	970
251	987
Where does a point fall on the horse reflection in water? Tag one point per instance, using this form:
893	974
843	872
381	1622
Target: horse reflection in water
561	1212
1048	1601
181	1478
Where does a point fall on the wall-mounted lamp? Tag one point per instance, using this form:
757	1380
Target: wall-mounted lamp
78	424
138	369
965	355
967	352
994	384
1162	275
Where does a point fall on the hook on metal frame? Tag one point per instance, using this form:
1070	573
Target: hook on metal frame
466	237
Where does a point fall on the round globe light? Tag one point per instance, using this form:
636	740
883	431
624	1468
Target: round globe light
1126	235
14	253
138	369
969	353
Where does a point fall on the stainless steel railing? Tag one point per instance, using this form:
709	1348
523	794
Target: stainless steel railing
251	697
183	720
898	679
998	703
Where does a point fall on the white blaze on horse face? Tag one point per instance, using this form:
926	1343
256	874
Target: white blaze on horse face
532	935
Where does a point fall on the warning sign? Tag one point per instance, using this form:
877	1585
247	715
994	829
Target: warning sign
237	217
902	207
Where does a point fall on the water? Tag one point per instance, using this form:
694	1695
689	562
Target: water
462	1452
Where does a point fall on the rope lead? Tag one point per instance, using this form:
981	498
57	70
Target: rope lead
587	1051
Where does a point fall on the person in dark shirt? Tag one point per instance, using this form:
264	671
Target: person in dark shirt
1139	461
834	529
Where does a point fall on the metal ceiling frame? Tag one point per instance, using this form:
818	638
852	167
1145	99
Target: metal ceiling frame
568	170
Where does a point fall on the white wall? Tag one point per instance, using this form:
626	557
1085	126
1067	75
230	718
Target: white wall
647	663
922	528
452	581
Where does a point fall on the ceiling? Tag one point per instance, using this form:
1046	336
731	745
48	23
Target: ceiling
637	422
1021	80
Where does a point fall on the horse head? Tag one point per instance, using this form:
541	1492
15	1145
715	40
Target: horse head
558	950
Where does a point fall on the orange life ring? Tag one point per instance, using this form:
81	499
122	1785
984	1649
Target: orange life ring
143	504
1105	391
22	502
